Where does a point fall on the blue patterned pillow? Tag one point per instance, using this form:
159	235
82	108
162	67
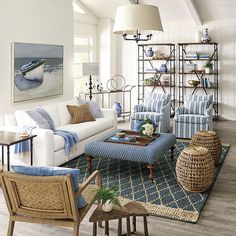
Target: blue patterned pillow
196	108
53	171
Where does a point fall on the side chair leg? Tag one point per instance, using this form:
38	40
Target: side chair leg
89	164
10	230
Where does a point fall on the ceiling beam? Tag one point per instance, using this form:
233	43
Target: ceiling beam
193	12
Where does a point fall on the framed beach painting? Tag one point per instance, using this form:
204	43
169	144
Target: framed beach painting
37	71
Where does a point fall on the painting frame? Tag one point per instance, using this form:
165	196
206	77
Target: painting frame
37	71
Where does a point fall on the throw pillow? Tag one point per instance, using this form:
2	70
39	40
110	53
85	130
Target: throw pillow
93	106
196	107
40	121
151	105
53	171
80	113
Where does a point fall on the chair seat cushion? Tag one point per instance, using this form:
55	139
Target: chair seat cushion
153	116
191	119
53	171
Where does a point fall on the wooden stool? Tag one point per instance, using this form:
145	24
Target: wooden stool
132	209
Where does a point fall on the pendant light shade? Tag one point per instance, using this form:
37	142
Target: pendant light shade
134	18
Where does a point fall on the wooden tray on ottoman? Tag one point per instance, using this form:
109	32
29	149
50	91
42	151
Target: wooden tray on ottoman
140	140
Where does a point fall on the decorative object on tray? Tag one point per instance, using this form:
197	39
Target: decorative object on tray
148	128
195	169
209	140
205	38
193	83
149	52
116	83
121	134
132	138
108	197
117	108
37	71
208	66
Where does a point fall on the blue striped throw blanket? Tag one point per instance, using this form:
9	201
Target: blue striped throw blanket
43	119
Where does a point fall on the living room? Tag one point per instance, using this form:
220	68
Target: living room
117	79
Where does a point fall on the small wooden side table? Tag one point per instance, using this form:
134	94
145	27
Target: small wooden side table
10	138
132	209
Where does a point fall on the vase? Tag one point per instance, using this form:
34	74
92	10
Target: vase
107	206
205	38
150	52
117	107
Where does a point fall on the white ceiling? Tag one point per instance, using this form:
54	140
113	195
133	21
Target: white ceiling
170	10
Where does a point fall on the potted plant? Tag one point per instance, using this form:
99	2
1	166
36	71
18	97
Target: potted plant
208	66
108	197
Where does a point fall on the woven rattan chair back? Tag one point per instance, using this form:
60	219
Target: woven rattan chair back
41	197
47	200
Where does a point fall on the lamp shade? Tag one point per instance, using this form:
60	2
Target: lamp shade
137	17
90	68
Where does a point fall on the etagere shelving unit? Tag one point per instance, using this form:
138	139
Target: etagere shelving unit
212	86
166	56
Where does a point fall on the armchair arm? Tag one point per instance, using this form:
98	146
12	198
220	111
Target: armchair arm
209	110
96	174
179	110
138	108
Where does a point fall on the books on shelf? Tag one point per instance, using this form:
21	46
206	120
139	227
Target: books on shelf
127	138
151	69
191	55
203	56
205	82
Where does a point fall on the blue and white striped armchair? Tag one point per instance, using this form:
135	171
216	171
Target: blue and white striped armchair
156	108
194	115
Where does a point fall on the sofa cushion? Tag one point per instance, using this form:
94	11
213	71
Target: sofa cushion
83	130
63	113
53	171
80	114
191	119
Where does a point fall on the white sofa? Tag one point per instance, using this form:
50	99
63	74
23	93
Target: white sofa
49	148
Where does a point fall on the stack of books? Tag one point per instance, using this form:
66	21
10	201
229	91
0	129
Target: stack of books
205	82
127	138
203	56
191	55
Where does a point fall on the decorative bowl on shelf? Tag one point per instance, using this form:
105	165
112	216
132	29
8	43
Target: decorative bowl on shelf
194	83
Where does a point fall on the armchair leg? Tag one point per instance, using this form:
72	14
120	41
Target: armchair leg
172	153
10	230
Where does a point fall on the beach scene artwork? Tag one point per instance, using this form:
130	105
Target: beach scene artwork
38	71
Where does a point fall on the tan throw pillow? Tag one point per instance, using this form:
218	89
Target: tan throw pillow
80	113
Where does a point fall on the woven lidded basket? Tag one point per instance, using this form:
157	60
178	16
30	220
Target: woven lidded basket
195	169
209	140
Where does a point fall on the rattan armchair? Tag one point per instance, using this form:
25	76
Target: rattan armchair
47	200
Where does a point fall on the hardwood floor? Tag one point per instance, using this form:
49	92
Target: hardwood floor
218	217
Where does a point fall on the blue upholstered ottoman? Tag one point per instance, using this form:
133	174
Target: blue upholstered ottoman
148	154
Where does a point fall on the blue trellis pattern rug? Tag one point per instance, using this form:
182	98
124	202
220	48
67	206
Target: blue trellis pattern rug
164	197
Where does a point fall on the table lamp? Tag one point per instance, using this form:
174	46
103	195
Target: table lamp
89	69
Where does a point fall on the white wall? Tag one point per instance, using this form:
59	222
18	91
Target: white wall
224	33
34	21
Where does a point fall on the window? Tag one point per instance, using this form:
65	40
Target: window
83	52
